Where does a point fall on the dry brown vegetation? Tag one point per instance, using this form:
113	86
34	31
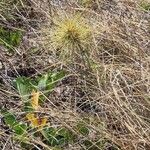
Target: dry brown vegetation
104	48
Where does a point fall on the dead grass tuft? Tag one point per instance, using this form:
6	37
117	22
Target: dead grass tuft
107	86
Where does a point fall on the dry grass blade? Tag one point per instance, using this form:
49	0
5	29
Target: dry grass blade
103	100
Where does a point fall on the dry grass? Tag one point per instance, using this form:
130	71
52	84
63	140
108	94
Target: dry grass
108	81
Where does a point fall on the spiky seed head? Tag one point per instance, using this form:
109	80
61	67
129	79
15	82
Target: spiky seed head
71	31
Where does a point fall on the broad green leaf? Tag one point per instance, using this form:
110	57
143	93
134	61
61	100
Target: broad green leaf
23	87
54	78
9	118
19	129
57	76
48	81
43	82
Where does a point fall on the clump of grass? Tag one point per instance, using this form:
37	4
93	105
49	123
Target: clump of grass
8	9
70	34
145	5
85	3
10	39
71	31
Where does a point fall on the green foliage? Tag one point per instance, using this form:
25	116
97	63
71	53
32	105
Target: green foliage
10	39
19	128
10	120
82	128
66	134
48	81
44	83
58	136
24	87
145	5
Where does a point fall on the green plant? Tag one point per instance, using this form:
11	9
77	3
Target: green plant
70	36
145	5
30	91
10	39
43	83
82	128
58	136
10	120
71	31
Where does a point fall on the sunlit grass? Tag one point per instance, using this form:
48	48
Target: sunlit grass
71	31
86	87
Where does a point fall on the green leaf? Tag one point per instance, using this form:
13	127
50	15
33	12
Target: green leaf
9	118
66	133
23	87
58	136
19	129
57	76
10	39
145	5
82	128
54	78
49	134
43	82
48	81
28	107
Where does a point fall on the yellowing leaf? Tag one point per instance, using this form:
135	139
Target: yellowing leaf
36	121
41	122
35	99
30	117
